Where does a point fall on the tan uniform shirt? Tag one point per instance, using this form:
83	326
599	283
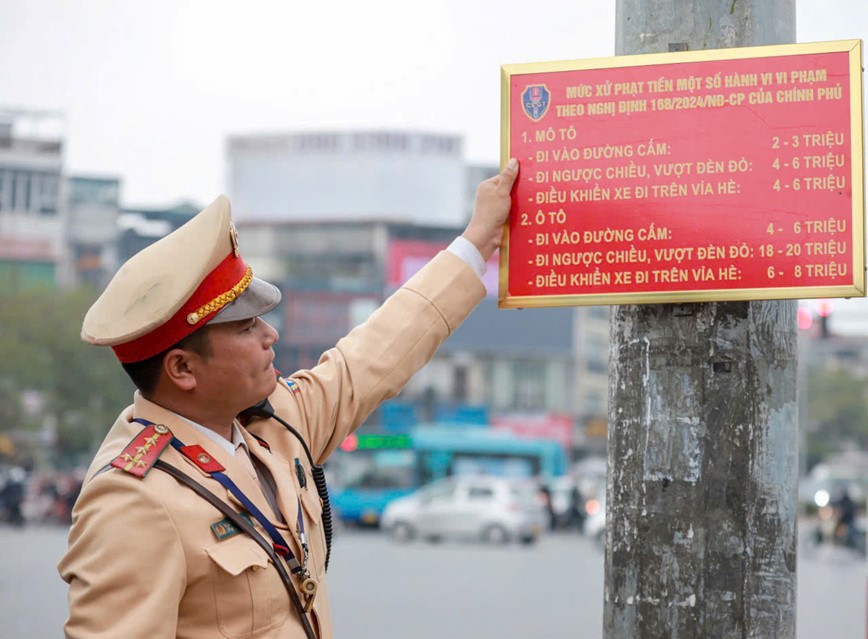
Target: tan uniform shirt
143	560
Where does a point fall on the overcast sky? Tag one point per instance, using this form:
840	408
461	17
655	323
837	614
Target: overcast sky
150	90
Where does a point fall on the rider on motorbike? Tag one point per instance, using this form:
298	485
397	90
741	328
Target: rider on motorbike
846	532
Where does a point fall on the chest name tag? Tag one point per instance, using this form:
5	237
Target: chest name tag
226	528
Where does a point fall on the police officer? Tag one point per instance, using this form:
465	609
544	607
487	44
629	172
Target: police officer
191	525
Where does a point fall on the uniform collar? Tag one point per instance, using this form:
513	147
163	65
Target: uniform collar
191	433
227	445
161	414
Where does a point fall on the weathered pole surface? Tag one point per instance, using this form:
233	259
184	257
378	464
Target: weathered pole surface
703	446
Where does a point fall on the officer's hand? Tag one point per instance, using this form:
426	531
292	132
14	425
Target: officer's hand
491	210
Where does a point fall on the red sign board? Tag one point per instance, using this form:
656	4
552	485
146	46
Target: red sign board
710	175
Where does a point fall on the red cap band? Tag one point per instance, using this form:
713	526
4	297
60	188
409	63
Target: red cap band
226	275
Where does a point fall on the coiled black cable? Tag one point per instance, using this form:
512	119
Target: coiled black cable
320	480
265	409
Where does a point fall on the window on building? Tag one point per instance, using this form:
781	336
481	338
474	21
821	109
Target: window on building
47	199
459	384
595	402
380	142
529	385
599	312
438	144
317	142
597	353
29	187
13	190
93	191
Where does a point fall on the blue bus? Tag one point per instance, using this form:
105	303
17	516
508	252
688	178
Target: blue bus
370	470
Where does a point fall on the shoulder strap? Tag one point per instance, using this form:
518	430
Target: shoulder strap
244	525
143	450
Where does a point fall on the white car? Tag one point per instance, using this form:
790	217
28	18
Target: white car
491	509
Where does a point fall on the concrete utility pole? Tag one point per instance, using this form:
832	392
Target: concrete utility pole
701	498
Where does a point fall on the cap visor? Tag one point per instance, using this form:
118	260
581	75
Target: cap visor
257	299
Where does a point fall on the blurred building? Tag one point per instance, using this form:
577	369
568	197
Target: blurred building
410	176
92	231
140	227
332	275
32	250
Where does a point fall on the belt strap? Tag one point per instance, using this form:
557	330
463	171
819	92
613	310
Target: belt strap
239	521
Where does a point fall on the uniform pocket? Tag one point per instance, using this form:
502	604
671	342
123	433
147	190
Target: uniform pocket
248	591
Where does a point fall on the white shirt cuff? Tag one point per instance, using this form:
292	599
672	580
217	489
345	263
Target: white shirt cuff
465	249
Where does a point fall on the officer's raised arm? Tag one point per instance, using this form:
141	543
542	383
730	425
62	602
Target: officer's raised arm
378	357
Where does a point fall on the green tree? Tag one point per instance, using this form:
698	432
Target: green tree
82	387
837	411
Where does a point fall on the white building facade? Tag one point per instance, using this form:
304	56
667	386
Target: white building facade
407	176
32	251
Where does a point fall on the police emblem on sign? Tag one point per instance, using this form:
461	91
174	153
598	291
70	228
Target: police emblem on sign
535	101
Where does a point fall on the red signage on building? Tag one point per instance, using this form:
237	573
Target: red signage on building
406	257
715	175
556	426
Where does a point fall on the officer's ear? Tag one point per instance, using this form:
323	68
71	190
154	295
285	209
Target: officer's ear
179	370
184	359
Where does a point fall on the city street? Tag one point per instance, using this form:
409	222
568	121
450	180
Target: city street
382	590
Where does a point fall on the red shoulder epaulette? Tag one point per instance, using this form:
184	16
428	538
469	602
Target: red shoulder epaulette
144	450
